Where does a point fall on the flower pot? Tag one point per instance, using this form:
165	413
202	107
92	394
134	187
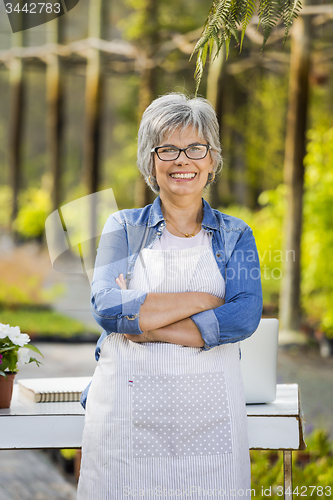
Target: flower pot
6	389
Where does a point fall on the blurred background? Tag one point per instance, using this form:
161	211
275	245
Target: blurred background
72	92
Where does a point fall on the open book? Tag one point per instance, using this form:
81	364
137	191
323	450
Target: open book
49	390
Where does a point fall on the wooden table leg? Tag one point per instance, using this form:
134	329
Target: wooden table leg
287	474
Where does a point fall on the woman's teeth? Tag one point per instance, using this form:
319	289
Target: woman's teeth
183	176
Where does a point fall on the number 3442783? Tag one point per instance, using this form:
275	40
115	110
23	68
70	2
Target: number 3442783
34	8
306	491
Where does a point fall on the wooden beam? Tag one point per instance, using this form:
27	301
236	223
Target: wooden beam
148	46
93	97
93	116
16	122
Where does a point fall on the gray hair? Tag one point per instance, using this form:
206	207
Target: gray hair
168	113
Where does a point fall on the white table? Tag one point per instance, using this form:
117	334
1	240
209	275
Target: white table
28	425
278	426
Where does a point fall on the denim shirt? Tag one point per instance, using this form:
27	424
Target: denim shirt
128	231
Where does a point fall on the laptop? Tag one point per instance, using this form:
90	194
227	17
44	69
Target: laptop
259	362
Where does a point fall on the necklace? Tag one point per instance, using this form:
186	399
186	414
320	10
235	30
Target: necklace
184	234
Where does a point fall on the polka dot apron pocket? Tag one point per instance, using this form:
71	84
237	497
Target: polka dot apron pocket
180	415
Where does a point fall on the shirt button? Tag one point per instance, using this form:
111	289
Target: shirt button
159	233
218	255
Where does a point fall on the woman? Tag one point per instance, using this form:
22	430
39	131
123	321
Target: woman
166	409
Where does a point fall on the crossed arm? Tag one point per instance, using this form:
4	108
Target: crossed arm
165	317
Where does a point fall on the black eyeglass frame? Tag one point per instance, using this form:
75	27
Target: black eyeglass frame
207	146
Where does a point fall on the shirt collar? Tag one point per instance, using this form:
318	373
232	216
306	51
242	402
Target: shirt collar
209	218
156	216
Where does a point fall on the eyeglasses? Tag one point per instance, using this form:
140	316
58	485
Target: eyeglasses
170	153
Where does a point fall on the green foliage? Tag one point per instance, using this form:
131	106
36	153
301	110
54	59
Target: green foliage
35	206
317	236
146	18
265	129
13	294
45	323
9	362
321	105
226	15
261	122
312	468
317	279
68	454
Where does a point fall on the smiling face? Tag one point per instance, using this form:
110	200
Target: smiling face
182	177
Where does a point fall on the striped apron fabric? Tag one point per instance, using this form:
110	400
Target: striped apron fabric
164	420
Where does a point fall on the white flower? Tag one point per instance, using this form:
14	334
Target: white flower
23	356
17	337
4	331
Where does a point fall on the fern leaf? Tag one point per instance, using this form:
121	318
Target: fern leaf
290	11
211	45
249	9
269	11
226	15
200	64
236	10
227	45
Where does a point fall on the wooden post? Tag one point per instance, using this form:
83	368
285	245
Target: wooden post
147	86
294	170
55	116
93	120
16	121
93	98
287	475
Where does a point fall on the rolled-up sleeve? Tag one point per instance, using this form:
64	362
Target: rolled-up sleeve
240	315
208	325
114	309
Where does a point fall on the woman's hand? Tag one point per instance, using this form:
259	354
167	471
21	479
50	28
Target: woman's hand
121	282
143	337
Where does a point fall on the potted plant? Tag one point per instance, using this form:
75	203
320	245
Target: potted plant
14	350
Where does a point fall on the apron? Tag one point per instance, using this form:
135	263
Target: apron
164	420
